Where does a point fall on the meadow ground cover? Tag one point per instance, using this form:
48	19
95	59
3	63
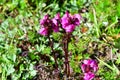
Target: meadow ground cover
59	40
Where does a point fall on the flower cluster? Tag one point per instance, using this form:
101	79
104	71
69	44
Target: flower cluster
89	67
68	23
48	25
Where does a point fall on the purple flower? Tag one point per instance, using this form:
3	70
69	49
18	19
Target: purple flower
49	25
70	28
69	22
57	17
56	20
46	24
89	76
55	25
45	20
89	65
76	18
43	31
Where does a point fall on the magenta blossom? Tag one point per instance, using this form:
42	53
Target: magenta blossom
56	20
89	65
69	22
89	76
45	21
46	24
57	17
43	31
49	25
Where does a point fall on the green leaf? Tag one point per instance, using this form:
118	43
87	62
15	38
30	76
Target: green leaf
0	69
33	72
10	69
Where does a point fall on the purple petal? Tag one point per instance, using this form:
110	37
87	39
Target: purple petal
89	76
55	25
95	69
57	16
45	18
42	21
77	19
83	66
65	18
55	21
69	28
43	31
66	14
94	65
65	22
87	62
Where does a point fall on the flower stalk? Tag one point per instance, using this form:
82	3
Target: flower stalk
65	48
